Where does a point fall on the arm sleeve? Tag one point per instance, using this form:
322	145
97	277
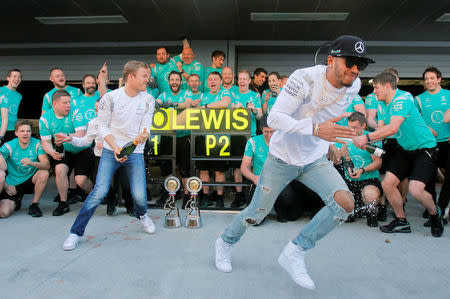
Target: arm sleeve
4	152
147	119
290	99
401	107
46	103
44	129
249	148
40	150
87	140
105	109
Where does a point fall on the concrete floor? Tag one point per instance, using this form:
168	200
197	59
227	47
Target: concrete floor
116	259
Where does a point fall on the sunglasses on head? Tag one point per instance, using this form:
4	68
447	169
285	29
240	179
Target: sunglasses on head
360	63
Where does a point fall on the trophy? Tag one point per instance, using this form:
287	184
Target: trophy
172	220
193	220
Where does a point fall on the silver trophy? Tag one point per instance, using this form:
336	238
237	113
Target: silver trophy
172	220
193	220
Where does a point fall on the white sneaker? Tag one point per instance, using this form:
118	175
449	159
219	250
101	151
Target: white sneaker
71	242
292	259
223	255
148	224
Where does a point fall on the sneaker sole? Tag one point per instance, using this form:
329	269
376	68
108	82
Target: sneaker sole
395	231
70	248
283	261
34	215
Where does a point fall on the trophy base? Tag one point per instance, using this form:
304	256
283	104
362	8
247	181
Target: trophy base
172	222
193	222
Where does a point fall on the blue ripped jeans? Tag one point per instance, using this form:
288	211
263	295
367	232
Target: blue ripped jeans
320	176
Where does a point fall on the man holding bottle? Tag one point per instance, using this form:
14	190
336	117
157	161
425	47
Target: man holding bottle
124	114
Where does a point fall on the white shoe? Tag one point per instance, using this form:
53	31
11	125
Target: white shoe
148	224
223	255
71	242
292	259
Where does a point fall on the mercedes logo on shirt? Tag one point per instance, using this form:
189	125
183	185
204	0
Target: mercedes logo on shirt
359	47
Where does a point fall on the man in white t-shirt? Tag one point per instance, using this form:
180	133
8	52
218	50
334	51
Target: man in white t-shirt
124	115
304	117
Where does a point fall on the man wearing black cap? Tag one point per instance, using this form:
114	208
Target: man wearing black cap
304	117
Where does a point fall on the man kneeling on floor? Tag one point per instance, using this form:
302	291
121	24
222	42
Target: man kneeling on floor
27	166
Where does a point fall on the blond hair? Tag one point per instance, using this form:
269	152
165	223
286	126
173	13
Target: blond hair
131	67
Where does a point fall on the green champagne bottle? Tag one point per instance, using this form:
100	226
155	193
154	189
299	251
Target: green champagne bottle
348	165
127	149
375	150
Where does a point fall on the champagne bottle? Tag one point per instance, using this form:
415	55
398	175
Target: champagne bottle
375	150
348	165
127	149
59	148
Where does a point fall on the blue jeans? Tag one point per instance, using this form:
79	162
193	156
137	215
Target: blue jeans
320	176
135	169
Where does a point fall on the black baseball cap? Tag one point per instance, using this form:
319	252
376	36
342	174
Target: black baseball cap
349	45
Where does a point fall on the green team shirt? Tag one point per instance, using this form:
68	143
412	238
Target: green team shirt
370	101
208	71
209	98
433	107
257	149
233	90
161	74
245	98
13	153
413	132
167	97
153	91
194	68
361	158
189	94
87	106
357	100
47	102
11	100
50	124
382	110
271	100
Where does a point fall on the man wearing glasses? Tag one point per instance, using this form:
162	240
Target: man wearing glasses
304	117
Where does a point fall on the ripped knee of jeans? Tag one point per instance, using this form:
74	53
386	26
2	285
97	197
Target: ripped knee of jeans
257	219
339	213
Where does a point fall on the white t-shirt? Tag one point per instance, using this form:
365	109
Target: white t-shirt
92	134
125	117
306	98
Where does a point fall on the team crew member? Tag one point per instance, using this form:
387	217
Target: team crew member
177	98
217	97
228	81
194	95
259	83
66	118
356	104
415	161
304	117
370	104
124	114
162	68
433	104
217	61
270	95
189	66
364	180
59	80
9	104
87	101
27	166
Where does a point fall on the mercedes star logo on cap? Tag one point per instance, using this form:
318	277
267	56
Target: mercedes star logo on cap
359	47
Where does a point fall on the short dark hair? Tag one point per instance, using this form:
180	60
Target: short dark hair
58	94
54	69
215	73
432	69
22	122
86	76
263	121
284	77
162	47
218	53
13	70
175	73
258	71
386	78
275	74
392	71
358	116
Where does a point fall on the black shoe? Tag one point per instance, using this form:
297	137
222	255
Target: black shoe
282	219
425	214
219	201
111	205
186	198
351	218
18	205
372	220
34	210
382	213
56	198
396	226
207	201
130	211
239	200
73	196
61	209
437	225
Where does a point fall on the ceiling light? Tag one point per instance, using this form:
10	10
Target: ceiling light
298	16
444	18
78	20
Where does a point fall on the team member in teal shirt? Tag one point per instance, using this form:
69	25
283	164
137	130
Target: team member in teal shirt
364	180
86	102
66	118
415	160
194	96
356	104
59	80
228	81
189	66
217	61
27	166
162	68
9	103
433	104
270	95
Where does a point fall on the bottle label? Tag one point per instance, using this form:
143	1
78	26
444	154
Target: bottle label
378	152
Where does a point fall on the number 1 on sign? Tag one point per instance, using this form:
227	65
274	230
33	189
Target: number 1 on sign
155	141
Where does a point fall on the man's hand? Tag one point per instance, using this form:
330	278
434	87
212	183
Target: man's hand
152	65
360	141
180	66
344	150
238	105
256	180
356	174
195	103
10	190
99	145
26	162
267	96
143	136
56	156
334	154
329	130
116	152
62	137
